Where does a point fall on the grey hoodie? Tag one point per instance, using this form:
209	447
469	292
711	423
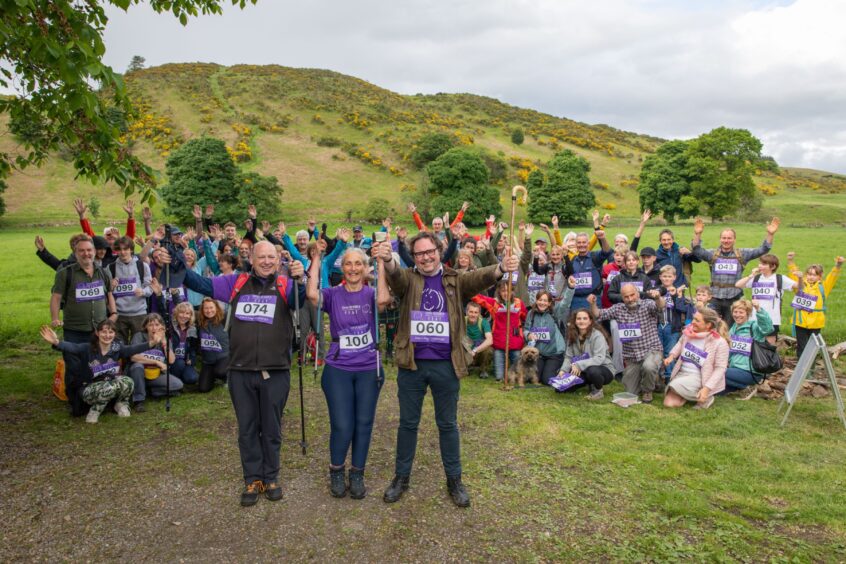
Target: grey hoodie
131	305
595	346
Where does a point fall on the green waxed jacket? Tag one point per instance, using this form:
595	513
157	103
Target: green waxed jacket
407	284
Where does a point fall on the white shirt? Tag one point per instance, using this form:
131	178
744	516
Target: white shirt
773	306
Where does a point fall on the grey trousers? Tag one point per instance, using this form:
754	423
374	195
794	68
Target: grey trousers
639	377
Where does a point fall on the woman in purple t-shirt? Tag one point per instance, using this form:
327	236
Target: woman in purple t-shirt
352	376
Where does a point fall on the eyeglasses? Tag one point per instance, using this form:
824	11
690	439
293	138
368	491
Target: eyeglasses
425	254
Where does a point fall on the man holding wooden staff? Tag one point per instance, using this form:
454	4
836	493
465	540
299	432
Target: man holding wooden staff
429	353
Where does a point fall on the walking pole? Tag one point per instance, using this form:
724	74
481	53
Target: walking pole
300	358
514	192
319	326
168	329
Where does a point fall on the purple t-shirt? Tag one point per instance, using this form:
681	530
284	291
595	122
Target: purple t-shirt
433	308
351	325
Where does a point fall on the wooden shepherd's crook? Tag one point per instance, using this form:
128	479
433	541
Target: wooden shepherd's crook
514	192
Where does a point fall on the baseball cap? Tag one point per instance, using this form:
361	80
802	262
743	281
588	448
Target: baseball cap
648	252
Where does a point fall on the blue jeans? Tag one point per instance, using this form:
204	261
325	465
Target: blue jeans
439	375
185	372
499	361
668	341
351	398
738	379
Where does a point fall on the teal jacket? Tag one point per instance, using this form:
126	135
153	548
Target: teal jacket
550	320
757	328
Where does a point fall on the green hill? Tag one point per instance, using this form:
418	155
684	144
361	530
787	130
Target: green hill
335	141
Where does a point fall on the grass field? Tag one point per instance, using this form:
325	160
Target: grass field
552	477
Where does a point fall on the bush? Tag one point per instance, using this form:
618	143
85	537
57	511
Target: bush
517	136
329	142
430	147
376	210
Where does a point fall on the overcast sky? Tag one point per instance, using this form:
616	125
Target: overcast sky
674	69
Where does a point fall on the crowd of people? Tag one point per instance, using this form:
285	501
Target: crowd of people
171	311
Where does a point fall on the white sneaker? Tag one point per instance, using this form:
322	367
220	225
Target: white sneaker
122	409
93	416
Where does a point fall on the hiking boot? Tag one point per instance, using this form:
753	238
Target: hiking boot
458	492
122	409
398	485
337	483
595	394
357	488
273	491
708	403
251	492
138	407
93	416
647	397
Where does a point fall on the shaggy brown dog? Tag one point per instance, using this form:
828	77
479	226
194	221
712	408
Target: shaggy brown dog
526	368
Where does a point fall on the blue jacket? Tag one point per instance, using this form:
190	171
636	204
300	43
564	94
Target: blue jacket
674	258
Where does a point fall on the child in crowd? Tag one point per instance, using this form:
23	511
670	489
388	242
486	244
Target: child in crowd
768	289
497	309
672	319
479	338
809	303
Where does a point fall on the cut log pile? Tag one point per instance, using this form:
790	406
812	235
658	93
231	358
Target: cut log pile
815	385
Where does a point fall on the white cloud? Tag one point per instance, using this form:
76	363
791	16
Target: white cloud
664	67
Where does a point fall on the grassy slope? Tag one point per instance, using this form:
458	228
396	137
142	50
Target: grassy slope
208	100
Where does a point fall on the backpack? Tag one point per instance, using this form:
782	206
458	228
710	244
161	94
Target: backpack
138	263
737	255
281	287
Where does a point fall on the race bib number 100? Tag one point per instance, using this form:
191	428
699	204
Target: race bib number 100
258	309
355	342
429	327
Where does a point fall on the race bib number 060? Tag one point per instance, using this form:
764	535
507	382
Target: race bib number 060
429	327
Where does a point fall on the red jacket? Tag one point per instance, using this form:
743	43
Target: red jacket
497	311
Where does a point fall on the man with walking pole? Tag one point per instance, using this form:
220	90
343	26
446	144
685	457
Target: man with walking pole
261	330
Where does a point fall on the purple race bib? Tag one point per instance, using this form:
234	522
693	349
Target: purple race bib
668	301
535	282
209	343
154	354
125	287
355	339
584	280
693	355
636	283
612	275
804	302
726	266
258	309
429	327
90	291
542	334
105	369
741	345
565	382
763	290
629	332
179	351
581	357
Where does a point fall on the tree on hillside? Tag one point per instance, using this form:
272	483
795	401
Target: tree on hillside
720	165
52	52
458	176
430	147
517	136
664	186
563	191
136	64
202	172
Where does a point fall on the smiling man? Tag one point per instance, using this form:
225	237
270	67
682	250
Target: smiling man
261	331
429	351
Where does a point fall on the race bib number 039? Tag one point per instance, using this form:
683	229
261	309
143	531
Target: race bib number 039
804	302
259	309
429	327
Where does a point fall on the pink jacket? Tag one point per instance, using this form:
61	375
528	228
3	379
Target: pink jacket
714	368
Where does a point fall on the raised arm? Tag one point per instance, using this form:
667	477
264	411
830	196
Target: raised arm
312	291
